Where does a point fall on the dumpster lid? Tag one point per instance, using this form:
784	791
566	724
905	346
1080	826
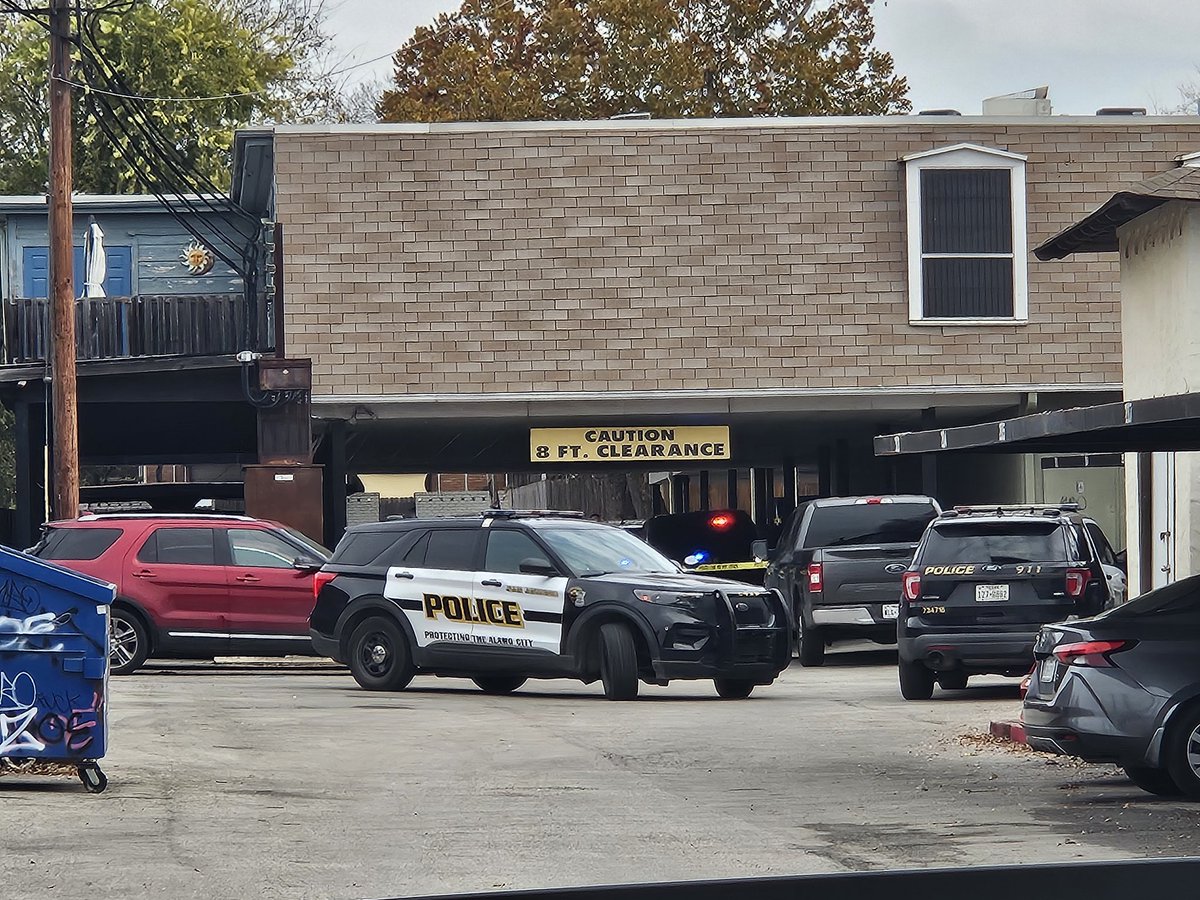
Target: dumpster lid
33	569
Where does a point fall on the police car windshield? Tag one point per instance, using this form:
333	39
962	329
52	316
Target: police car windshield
601	550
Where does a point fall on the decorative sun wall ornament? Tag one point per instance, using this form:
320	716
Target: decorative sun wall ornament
198	259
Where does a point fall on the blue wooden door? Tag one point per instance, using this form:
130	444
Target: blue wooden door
35	269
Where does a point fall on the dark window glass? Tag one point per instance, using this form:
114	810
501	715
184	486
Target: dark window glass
506	549
254	548
415	556
966	211
365	547
1181	598
77	543
180	546
999	543
451	549
967	287
1103	547
868	523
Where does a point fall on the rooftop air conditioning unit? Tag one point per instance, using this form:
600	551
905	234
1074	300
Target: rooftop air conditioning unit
1034	102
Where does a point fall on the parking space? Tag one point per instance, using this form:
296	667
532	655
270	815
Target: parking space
288	781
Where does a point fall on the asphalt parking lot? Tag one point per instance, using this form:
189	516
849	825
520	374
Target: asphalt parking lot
289	781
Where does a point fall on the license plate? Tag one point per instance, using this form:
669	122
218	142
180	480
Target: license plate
1048	669
991	593
891	610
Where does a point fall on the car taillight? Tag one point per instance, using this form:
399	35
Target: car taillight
912	586
816	579
320	579
1077	580
1090	653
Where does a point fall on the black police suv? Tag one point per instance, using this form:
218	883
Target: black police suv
511	595
983	582
714	542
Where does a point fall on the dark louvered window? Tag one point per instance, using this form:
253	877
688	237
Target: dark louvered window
967	243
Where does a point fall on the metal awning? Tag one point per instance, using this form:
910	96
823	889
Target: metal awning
1131	426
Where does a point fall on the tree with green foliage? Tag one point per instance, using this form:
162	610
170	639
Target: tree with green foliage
268	59
592	59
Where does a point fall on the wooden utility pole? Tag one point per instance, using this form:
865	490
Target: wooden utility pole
65	453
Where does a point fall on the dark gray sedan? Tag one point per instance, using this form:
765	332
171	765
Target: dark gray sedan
1124	687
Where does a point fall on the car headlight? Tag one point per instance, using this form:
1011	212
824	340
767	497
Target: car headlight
687	600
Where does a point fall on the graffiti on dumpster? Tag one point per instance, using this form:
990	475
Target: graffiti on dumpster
24	622
17	712
31	632
32	721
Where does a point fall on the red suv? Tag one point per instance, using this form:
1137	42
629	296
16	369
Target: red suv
194	586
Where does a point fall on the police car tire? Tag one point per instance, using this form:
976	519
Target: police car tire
618	662
734	688
498	684
916	681
397	675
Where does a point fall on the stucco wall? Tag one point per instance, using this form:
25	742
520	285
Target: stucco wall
1160	320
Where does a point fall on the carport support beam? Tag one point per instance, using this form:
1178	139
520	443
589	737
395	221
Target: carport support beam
929	485
334	458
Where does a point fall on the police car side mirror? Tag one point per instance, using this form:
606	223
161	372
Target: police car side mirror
1123	561
760	549
535	565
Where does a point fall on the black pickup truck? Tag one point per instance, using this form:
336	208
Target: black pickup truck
840	562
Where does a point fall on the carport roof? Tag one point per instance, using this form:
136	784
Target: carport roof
1097	233
1131	426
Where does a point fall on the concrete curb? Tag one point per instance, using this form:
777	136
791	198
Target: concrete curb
1009	731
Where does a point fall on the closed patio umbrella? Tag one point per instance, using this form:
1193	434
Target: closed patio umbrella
95	266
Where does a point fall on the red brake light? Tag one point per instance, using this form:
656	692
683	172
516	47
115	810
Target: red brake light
912	586
1090	653
320	579
721	521
816	578
1077	580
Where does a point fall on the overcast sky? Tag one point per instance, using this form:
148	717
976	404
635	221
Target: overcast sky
1092	53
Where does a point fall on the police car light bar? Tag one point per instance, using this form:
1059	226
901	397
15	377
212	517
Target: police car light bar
532	514
1045	509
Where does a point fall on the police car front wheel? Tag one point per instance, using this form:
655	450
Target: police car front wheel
618	662
379	656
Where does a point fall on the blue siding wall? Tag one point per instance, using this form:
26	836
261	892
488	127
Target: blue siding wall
143	253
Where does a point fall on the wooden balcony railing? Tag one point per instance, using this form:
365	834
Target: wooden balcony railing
132	327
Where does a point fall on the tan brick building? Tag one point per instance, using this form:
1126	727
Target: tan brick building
808	281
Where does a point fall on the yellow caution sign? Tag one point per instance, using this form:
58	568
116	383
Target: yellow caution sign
689	442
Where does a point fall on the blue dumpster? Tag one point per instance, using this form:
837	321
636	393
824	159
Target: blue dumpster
53	665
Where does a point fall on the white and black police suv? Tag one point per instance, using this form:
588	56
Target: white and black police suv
511	595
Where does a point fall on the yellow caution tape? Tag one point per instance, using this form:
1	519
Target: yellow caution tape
729	567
